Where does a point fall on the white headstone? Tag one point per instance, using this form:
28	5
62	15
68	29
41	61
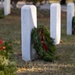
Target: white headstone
55	22
28	22
7	7
20	4
70	14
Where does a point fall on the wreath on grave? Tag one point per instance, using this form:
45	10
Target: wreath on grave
1	13
73	25
43	43
7	65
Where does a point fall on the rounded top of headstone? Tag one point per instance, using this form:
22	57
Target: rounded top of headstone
54	1
69	1
28	7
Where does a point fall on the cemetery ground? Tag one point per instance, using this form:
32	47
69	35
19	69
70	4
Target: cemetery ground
10	29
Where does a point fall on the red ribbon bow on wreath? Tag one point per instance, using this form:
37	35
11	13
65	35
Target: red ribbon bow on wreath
2	47
42	40
0	41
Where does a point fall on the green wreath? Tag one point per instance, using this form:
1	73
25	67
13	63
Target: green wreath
73	25
43	43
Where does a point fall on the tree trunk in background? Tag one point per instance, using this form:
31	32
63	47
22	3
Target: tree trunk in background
63	1
14	2
2	2
45	1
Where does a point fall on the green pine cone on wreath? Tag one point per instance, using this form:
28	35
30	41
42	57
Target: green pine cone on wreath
43	43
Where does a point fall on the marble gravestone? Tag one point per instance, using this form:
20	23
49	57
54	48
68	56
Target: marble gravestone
7	7
70	14
55	22
28	22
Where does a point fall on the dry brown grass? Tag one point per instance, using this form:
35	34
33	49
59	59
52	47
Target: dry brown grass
10	29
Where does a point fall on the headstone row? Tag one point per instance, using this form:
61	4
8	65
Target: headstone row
29	21
7	7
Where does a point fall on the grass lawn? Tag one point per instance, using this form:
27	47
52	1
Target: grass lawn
10	29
